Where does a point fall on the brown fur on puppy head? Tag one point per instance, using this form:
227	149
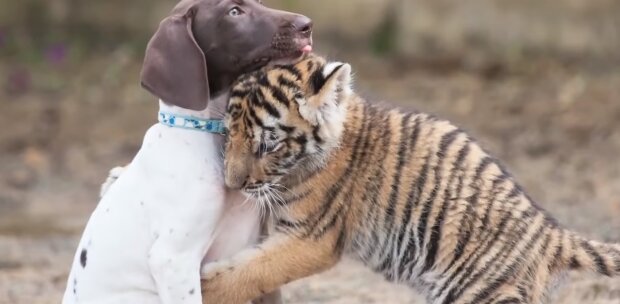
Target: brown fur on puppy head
229	37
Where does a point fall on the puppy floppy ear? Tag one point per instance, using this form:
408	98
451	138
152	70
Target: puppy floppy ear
175	68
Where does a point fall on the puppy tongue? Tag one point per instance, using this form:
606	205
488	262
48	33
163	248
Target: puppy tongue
307	49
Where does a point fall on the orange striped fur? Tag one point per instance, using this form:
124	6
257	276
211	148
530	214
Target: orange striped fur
411	196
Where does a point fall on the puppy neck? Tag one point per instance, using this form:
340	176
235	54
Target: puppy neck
215	109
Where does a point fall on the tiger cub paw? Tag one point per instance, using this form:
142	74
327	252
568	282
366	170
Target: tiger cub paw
212	270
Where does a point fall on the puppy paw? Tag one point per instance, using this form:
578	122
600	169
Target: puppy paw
114	174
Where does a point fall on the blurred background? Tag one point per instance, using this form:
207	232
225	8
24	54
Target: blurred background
536	81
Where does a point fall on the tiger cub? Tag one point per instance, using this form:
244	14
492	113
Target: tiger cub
411	196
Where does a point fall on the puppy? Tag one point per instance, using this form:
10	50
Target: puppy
169	210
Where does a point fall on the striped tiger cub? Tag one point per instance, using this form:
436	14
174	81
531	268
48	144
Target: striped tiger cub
409	195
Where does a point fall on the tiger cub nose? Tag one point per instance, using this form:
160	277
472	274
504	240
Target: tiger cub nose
235	181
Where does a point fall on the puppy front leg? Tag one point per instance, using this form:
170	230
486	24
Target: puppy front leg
176	273
254	272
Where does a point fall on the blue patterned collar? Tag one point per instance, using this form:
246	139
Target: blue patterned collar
215	126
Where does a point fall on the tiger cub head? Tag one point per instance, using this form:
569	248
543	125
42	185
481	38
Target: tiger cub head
283	121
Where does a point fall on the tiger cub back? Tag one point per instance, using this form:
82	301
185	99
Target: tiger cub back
411	196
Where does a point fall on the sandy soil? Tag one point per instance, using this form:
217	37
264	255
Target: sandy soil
557	128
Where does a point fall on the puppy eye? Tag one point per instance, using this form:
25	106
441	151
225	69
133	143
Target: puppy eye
298	95
234	12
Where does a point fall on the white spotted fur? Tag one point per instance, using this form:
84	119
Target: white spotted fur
159	217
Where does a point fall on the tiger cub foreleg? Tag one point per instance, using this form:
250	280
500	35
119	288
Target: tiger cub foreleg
282	258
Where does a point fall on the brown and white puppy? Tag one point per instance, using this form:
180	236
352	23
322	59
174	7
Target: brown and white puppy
169	209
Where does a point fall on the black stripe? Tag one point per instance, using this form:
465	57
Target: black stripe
500	255
263	80
393	198
262	102
490	300
291	69
372	183
286	129
574	264
437	228
301	139
233	107
446	141
283	82
240	93
373	186
254	118
512	300
315	134
484	163
414	197
465	234
340	242
535	261
270	109
489	208
317	81
285	223
506	247
244	77
557	256
335	216
516	191
342	209
295	198
330	197
256	97
472	260
310	65
333	72
523	293
406	218
509	270
279	95
596	257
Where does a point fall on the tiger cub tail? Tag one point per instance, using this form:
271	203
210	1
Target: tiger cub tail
584	254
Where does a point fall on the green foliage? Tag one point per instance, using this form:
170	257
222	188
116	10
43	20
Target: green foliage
383	39
289	4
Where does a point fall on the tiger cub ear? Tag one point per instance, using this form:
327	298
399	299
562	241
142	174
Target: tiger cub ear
333	82
329	86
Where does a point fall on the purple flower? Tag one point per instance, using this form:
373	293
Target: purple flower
56	53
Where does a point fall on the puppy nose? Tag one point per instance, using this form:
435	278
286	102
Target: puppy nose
303	25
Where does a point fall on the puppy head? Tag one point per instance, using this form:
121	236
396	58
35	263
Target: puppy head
230	37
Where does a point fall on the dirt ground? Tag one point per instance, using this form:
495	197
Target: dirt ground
555	126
